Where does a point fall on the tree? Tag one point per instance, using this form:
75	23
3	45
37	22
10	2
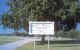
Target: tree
23	11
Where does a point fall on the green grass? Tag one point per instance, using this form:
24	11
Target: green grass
52	47
7	39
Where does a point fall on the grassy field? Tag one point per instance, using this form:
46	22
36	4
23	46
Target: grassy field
66	46
7	39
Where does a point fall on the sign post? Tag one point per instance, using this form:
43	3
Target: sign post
48	43
34	43
41	28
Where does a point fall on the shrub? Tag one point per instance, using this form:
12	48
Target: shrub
69	34
72	34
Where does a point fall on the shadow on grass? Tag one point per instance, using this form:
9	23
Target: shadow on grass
59	42
67	45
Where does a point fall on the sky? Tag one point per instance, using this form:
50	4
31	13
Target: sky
78	26
5	8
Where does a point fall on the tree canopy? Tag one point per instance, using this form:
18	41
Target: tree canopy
65	13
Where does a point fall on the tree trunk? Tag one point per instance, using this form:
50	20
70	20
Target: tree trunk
16	32
43	39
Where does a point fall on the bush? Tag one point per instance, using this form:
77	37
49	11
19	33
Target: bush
72	34
60	34
69	34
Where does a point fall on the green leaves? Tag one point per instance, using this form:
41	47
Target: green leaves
39	10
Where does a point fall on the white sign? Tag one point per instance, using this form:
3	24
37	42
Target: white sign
41	28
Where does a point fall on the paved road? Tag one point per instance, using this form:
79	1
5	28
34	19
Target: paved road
14	45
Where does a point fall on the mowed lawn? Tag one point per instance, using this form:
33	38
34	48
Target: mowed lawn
7	39
66	46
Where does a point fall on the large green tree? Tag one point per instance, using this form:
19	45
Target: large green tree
40	10
62	12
